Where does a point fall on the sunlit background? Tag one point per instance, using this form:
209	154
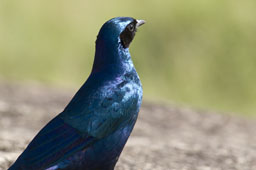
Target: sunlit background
197	53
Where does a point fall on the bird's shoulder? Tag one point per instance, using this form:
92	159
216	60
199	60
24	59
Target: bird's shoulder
103	103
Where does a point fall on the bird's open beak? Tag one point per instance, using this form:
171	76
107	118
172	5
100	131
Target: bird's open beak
140	22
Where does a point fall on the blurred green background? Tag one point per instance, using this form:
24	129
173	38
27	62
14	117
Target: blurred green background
198	53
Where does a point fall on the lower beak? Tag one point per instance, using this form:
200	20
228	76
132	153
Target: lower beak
140	22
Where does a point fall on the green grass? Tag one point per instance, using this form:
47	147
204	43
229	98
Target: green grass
200	53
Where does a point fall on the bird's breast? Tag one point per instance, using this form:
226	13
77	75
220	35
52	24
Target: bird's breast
132	90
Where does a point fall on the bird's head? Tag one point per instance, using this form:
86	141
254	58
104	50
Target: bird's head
113	40
119	30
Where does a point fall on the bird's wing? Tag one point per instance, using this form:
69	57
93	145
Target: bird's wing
106	110
88	118
55	142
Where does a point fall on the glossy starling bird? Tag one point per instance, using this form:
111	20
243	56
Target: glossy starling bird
92	130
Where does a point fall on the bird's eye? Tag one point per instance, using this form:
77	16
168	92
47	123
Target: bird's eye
131	27
128	34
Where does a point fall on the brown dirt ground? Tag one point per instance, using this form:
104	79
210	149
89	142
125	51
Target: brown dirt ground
164	138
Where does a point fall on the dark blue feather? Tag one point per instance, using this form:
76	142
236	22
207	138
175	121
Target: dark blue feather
55	142
92	130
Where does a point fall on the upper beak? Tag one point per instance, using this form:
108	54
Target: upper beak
140	22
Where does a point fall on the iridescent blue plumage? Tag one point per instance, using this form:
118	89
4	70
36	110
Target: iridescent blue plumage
92	130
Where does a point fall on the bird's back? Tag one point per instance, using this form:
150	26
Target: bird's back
93	129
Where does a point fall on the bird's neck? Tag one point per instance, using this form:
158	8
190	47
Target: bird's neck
111	55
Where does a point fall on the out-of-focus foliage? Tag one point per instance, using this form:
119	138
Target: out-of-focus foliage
199	52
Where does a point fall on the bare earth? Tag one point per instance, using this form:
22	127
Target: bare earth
164	138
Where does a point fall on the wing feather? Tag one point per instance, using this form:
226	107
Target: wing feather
55	142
